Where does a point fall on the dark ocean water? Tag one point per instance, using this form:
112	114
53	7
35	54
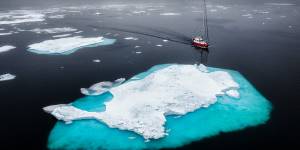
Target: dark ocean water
264	50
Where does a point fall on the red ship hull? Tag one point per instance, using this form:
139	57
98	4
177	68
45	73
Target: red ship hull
203	45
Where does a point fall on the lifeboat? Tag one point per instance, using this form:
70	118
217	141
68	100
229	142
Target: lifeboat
198	42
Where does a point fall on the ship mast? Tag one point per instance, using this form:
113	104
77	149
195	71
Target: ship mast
205	22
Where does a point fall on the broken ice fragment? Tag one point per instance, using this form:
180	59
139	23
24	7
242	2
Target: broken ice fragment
61	35
7	76
7	33
56	16
6	48
53	30
202	68
131	38
233	93
96	60
170	14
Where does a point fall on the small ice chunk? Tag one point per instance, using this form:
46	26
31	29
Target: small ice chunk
6	48
280	4
56	16
137	46
131	38
138	52
61	35
233	93
53	30
7	33
98	13
165	40
170	14
263	12
222	7
7	76
96	60
139	12
247	15
159	45
202	68
78	32
1	29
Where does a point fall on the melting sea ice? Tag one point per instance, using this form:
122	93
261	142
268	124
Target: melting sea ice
227	114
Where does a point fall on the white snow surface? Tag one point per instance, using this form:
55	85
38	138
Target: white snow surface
63	45
141	105
6	48
21	16
7	76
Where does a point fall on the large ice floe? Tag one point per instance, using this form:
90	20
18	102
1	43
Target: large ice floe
208	101
20	16
6	48
68	45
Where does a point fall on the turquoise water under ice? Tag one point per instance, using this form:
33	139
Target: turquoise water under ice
105	41
228	114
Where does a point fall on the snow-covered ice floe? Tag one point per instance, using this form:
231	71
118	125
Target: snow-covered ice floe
20	16
208	101
6	48
7	76
68	45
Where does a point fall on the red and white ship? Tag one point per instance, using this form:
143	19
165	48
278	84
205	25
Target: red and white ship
199	42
